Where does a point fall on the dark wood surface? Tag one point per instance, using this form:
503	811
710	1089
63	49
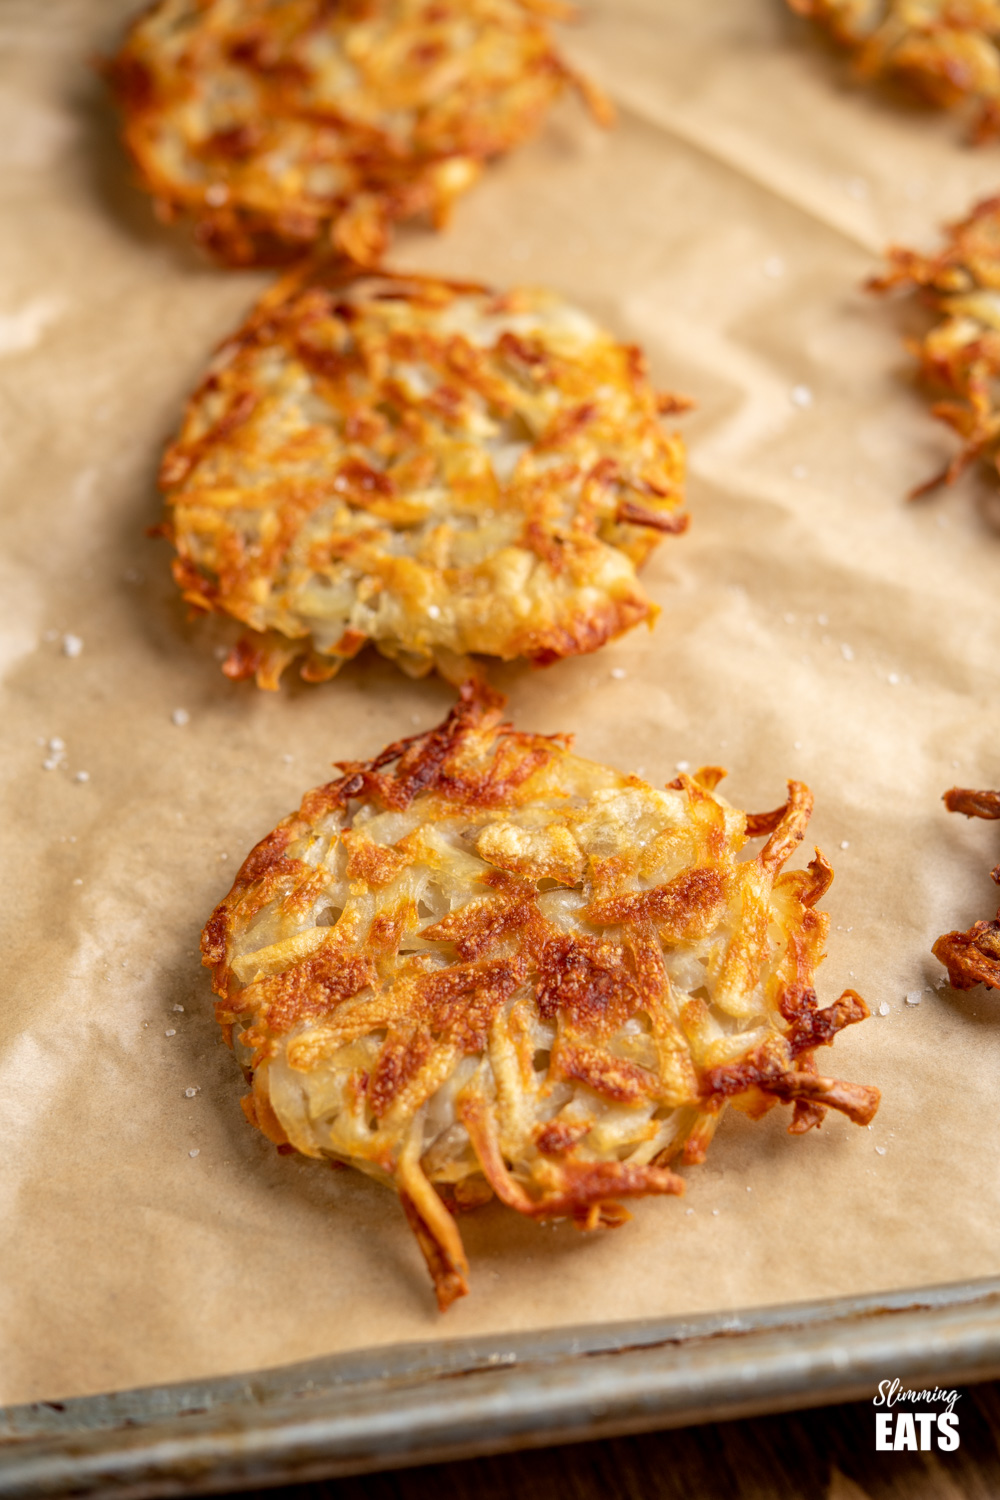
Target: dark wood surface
827	1454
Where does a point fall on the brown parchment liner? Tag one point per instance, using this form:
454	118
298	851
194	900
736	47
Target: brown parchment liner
813	625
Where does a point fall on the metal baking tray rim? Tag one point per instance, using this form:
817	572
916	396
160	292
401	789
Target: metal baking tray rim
424	1402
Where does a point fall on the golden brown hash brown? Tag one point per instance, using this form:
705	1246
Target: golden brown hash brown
479	965
273	123
960	354
972	957
427	465
947	52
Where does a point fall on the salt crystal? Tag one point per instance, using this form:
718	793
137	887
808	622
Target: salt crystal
176	1007
195	1152
72	645
51	763
914	997
774	267
796	744
715	1213
78	881
893	679
618	673
883	1009
82	776
180	717
640	770
822	620
223	856
56	744
749	1188
801	396
190	1093
683	765
846	652
288	759
170	1031
434	610
845	843
689	1210
880	1150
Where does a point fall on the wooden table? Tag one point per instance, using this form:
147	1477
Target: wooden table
827	1454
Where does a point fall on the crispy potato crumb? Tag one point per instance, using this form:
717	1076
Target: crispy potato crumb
972	957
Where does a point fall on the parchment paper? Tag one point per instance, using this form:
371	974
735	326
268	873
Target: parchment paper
813	624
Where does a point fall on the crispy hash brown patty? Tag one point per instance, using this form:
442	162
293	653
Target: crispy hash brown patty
947	52
972	957
479	965
271	122
427	465
960	354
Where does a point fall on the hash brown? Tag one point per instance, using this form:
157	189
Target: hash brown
972	957
960	354
479	964
946	52
427	465
275	124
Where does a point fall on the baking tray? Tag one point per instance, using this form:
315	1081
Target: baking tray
419	1403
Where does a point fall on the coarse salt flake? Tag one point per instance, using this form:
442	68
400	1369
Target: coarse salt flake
82	776
195	1152
618	673
180	717
56	744
176	1007
190	1093
72	645
846	651
170	1031
50	763
914	997
845	843
683	765
879	1150
801	396
883	1008
434	610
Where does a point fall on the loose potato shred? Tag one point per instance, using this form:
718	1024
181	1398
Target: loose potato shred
972	957
961	353
480	965
276	125
427	465
946	52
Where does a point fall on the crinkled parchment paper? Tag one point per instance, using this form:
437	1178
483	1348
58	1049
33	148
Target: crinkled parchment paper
814	625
